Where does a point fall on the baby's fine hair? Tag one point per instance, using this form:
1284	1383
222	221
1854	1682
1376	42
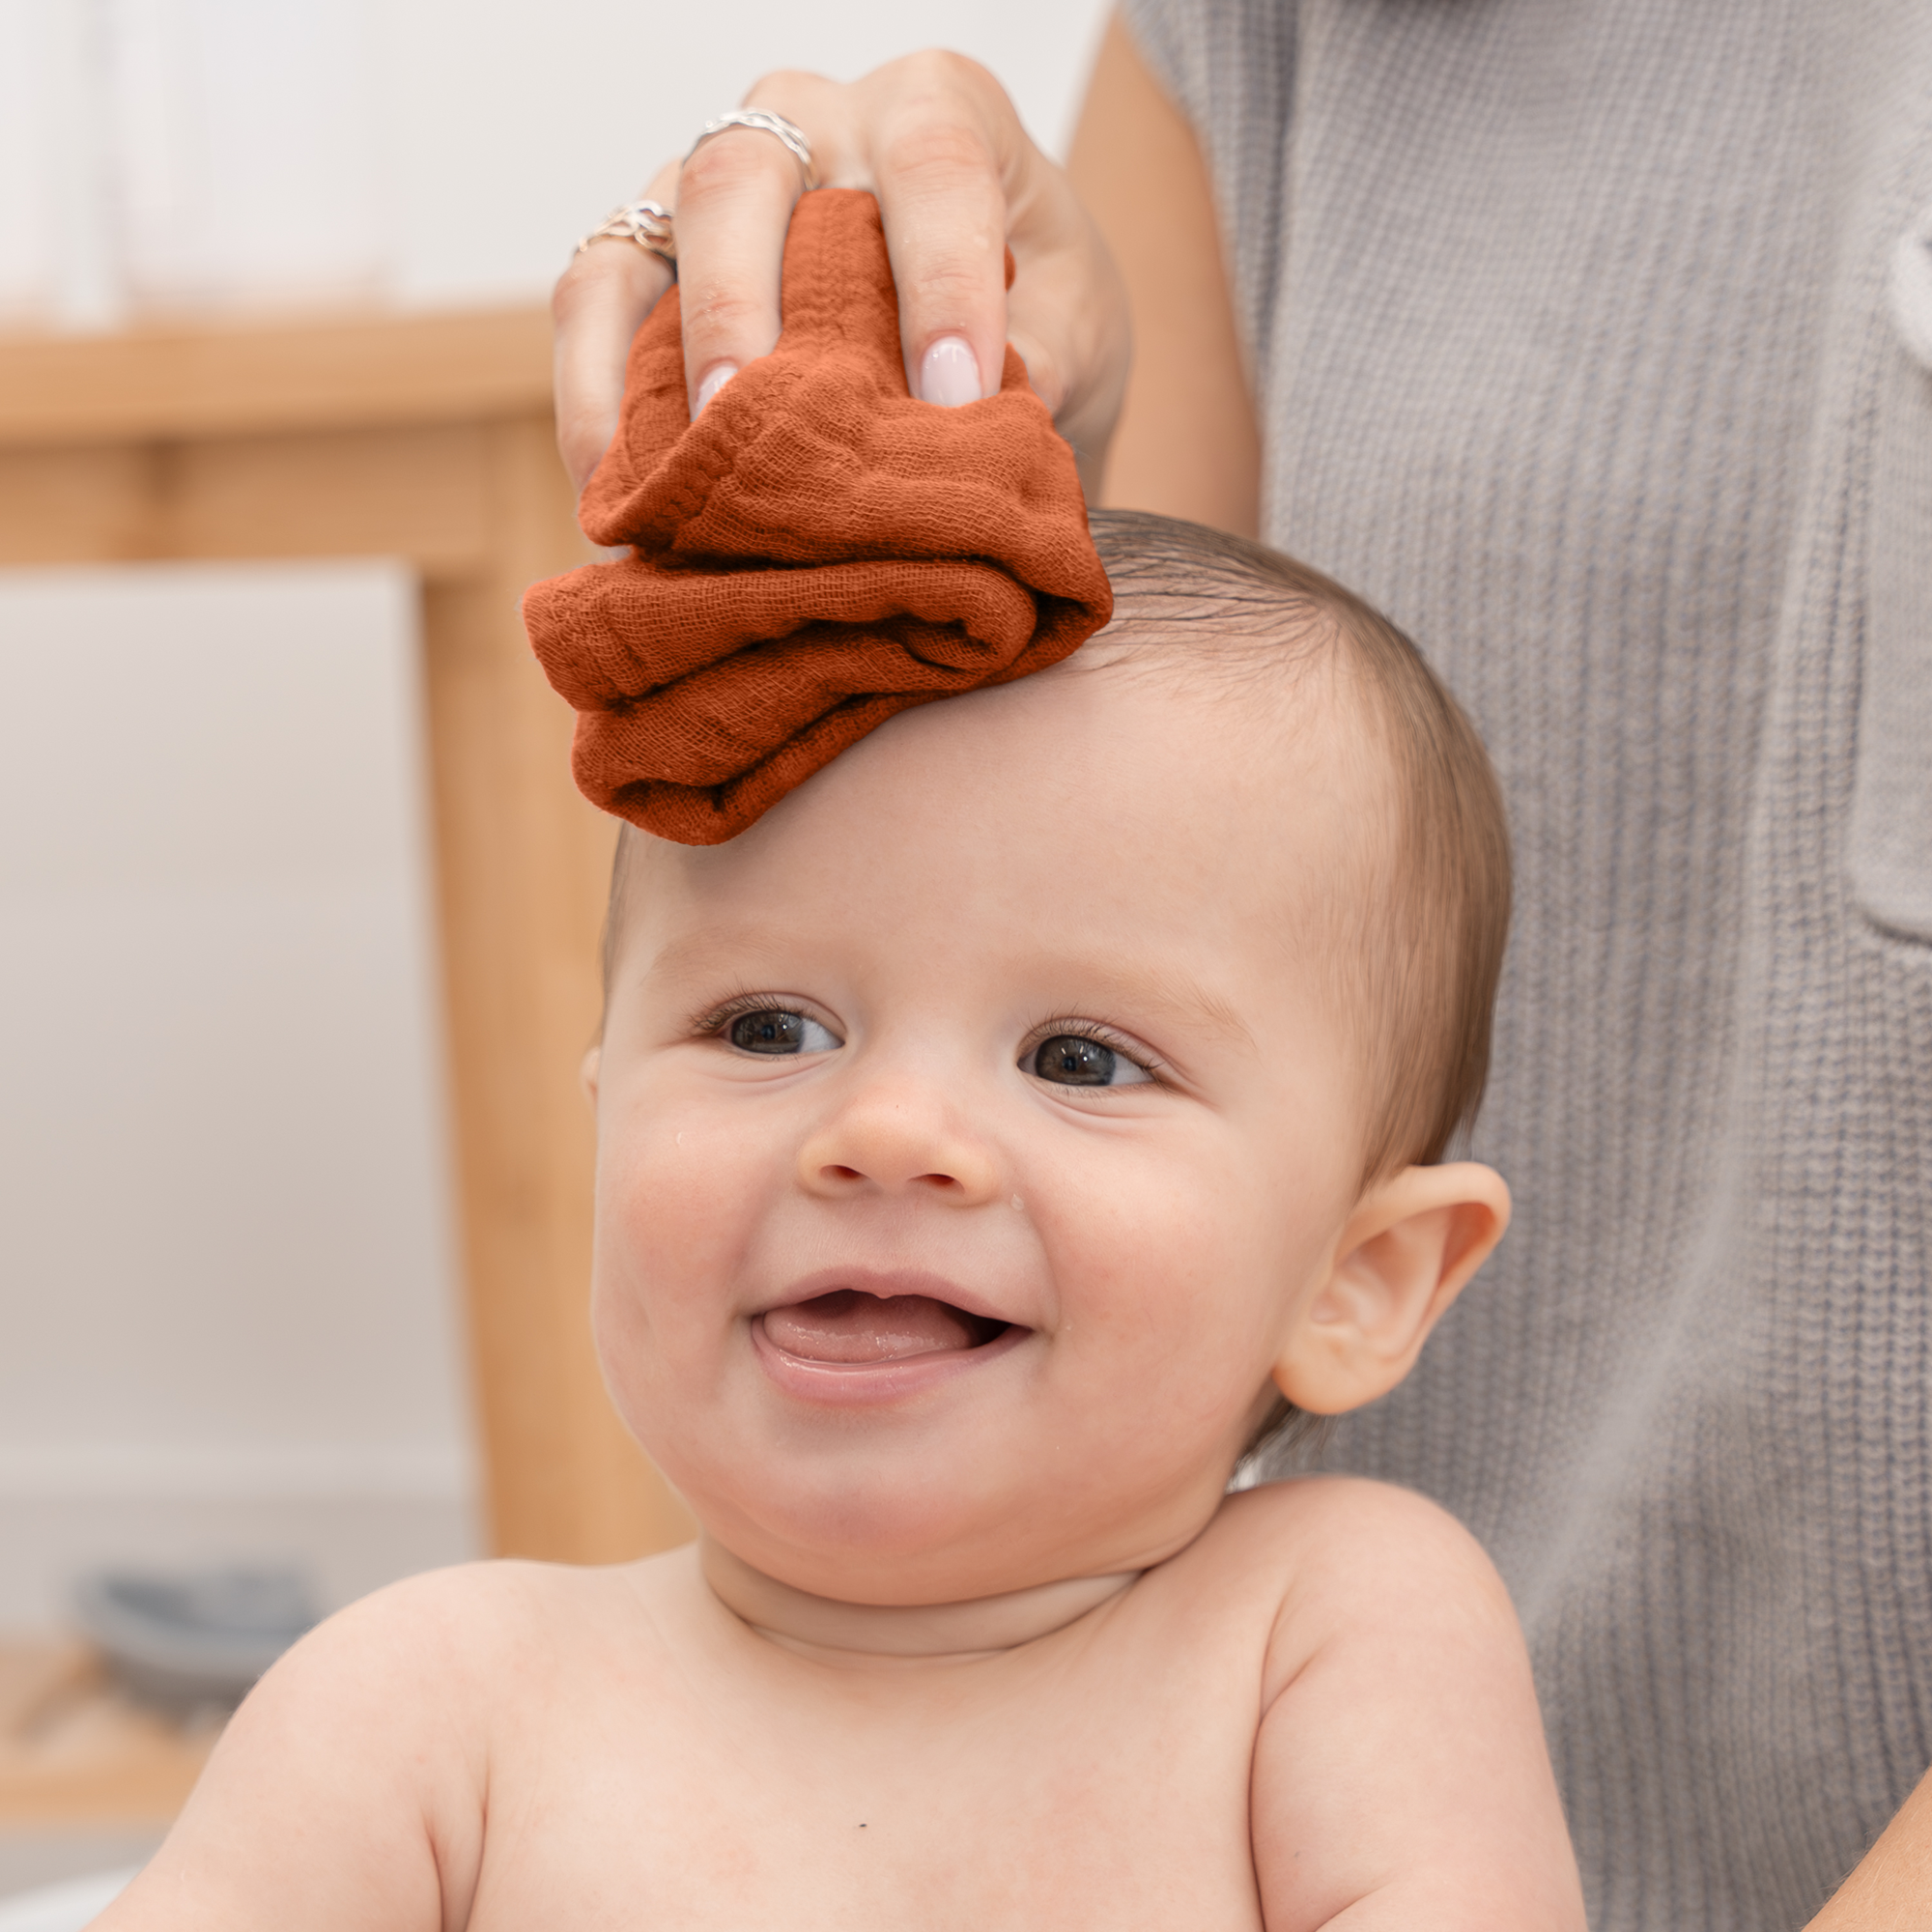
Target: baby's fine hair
1429	922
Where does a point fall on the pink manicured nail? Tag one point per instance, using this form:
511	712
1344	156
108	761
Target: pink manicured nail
713	382
949	373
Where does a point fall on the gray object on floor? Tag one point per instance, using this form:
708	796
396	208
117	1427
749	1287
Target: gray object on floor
192	1638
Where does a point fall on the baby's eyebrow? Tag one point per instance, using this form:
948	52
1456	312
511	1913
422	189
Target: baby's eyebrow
1171	993
695	954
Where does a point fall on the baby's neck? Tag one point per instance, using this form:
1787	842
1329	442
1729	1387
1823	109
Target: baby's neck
860	1634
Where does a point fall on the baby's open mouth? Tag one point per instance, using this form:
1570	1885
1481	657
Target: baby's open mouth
849	1325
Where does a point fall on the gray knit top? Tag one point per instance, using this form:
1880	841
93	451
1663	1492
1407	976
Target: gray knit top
1593	340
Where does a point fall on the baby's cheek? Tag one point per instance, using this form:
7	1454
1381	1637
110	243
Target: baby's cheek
1183	1263
1136	1241
675	1206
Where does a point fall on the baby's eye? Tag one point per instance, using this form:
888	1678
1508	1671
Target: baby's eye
1074	1059
772	1030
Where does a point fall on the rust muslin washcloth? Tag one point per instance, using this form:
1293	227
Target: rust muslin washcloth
817	552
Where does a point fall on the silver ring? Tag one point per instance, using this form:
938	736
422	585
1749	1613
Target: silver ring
763	122
647	223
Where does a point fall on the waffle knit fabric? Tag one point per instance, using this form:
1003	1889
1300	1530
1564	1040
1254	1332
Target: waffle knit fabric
817	552
1593	340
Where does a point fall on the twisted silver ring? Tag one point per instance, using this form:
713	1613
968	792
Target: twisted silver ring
647	223
762	121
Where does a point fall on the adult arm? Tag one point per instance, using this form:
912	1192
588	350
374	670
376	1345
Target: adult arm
1890	1891
1186	443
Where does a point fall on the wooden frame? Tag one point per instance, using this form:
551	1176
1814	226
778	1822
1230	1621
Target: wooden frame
428	438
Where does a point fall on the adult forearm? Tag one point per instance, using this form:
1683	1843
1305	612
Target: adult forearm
1891	1888
1186	443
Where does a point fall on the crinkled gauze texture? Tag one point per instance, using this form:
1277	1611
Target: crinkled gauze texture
817	552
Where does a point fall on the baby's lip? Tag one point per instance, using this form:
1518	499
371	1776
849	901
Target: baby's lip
887	1284
819	1344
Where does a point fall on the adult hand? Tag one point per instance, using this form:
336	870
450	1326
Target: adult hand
958	183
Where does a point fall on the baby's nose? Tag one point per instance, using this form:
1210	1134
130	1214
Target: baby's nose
901	1141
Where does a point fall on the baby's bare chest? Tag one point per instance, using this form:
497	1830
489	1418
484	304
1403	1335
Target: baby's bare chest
1111	1791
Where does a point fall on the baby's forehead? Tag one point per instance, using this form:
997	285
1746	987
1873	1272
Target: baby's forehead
1118	784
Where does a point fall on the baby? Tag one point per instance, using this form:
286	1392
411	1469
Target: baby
1033	1111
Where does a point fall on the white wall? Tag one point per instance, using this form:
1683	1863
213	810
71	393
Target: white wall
161	155
227	1309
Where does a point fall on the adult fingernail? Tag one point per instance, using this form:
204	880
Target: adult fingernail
713	381
949	373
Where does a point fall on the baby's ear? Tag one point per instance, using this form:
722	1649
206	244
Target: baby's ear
1409	1246
587	1070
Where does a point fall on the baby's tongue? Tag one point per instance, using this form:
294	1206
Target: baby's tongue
847	1326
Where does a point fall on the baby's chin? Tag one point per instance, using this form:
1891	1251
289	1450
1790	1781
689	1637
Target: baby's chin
894	1544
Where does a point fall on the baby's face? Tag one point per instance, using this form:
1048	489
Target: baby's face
975	1130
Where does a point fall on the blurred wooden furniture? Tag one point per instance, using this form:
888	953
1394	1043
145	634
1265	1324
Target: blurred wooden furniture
75	1753
429	438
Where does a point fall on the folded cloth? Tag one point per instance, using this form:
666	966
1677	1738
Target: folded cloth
817	552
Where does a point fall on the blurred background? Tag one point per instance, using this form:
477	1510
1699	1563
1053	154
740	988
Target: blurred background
297	911
163	156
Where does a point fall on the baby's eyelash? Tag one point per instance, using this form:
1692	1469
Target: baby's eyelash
1150	1063
713	1020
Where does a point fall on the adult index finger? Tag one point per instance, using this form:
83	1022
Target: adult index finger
943	138
735	205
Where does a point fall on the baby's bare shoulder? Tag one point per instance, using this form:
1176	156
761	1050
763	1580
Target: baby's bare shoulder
475	1620
1344	1553
1349	1519
354	1776
432	1671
